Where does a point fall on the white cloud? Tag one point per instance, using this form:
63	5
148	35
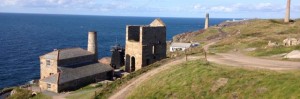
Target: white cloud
260	7
221	9
44	3
91	5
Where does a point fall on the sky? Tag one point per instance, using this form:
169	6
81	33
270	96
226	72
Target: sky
156	8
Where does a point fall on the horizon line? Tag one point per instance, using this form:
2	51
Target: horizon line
127	16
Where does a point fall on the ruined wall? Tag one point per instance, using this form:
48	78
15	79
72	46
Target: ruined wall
133	33
154	44
133	49
150	48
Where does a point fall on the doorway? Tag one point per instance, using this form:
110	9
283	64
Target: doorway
132	64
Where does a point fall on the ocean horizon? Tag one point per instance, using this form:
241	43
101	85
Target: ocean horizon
25	37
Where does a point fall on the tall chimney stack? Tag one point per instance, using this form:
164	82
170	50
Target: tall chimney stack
206	21
92	44
288	10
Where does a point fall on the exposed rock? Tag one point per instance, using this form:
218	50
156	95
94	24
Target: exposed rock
250	49
291	42
293	55
235	95
105	60
13	92
33	94
219	83
272	44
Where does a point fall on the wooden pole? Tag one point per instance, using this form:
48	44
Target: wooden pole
185	54
205	54
95	94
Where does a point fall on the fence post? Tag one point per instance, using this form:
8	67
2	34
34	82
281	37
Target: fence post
95	94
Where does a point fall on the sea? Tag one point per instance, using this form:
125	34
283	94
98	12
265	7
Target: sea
25	37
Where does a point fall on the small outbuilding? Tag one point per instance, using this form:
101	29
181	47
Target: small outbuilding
180	46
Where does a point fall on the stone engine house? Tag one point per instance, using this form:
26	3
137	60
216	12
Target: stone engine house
144	45
73	68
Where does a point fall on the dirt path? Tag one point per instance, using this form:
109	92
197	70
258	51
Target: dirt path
126	89
240	60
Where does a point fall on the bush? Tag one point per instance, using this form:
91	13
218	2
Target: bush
21	94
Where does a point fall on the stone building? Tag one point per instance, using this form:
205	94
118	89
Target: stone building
72	68
144	45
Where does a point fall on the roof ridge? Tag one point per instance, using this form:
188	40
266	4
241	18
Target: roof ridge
157	22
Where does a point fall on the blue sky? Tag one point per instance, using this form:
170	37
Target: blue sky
156	8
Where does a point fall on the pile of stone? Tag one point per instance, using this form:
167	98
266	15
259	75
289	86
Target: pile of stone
272	44
286	42
291	42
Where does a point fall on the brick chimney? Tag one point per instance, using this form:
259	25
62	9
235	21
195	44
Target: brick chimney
288	10
92	44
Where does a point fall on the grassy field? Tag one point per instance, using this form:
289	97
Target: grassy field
26	94
196	80
253	34
112	87
87	92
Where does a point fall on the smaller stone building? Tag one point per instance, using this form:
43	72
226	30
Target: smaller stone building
117	57
145	45
72	68
179	46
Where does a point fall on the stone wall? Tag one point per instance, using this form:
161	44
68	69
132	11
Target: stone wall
133	33
44	86
154	44
47	70
133	49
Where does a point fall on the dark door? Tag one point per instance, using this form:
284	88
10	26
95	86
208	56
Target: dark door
132	64
127	63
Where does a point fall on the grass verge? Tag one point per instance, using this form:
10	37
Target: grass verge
196	79
110	88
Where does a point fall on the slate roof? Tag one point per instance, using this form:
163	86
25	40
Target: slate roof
67	53
69	74
181	45
51	79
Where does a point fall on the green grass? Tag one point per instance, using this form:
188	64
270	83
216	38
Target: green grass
110	88
41	96
274	51
27	94
87	92
195	80
208	33
257	34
